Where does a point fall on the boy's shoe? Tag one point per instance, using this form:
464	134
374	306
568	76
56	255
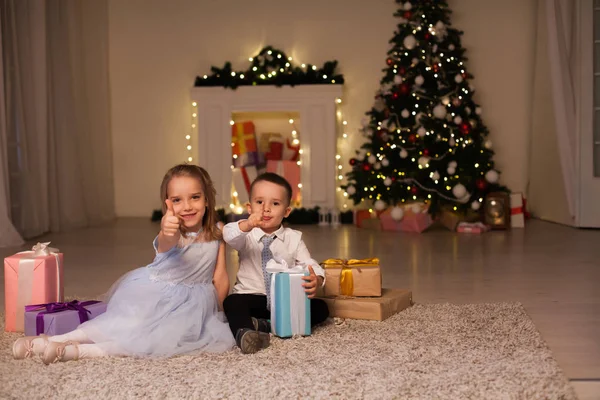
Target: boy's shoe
251	341
262	325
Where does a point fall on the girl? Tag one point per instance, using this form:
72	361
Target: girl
170	306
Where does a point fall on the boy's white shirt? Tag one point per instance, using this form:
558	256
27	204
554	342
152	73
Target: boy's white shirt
288	245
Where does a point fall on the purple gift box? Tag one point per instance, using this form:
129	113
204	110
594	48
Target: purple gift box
60	318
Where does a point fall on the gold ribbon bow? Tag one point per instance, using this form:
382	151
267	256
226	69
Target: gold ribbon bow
346	278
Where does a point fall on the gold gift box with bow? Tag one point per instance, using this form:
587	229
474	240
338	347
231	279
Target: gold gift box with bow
359	278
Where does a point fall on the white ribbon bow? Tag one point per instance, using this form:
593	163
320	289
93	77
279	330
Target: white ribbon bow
280	265
43	249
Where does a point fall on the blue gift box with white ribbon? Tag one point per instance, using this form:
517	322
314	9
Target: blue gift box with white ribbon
290	306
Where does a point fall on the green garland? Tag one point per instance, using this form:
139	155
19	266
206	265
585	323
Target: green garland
271	67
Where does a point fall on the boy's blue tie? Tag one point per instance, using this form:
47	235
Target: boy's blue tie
266	256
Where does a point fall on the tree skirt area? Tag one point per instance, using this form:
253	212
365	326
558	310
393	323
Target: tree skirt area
442	351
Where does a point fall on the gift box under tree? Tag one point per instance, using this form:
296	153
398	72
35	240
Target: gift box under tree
412	217
31	277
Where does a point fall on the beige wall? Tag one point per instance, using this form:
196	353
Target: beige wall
157	47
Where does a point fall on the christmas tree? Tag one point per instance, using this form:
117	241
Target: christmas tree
425	140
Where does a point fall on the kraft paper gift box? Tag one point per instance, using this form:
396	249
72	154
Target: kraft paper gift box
245	148
517	211
352	277
290	170
60	318
391	302
290	306
31	277
242	179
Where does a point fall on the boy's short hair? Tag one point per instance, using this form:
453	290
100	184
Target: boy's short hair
276	179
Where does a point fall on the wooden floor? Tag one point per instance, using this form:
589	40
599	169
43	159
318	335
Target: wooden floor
554	271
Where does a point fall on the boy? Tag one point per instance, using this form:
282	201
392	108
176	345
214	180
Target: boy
258	239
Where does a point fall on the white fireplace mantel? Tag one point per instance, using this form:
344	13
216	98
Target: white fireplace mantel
318	133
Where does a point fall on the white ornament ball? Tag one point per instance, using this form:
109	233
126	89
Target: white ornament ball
385	162
453	164
403	153
380	205
457	119
492	176
458	78
434	48
397	79
445	100
451	170
377	166
351	190
397	213
475	205
407	5
372	159
387	182
439	111
435	176
468	110
459	191
451	47
410	42
419	80
414	61
421	131
451	142
423	161
488	144
405	113
478	110
465	199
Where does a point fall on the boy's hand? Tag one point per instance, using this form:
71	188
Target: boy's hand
170	222
312	283
255	220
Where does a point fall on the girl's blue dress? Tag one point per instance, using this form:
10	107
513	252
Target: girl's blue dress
166	308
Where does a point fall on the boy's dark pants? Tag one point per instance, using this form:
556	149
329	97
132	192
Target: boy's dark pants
240	308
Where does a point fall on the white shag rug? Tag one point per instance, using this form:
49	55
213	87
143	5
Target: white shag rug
441	351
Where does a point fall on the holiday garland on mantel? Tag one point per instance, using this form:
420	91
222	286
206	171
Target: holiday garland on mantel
271	67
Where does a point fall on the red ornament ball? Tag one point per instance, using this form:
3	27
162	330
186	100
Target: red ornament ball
389	61
412	138
481	184
426	152
366	167
352	161
405	89
395	95
402	70
465	128
414	190
436	68
427	36
407	14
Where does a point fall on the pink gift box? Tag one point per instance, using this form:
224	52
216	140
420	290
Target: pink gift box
31	277
290	170
412	221
472	227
